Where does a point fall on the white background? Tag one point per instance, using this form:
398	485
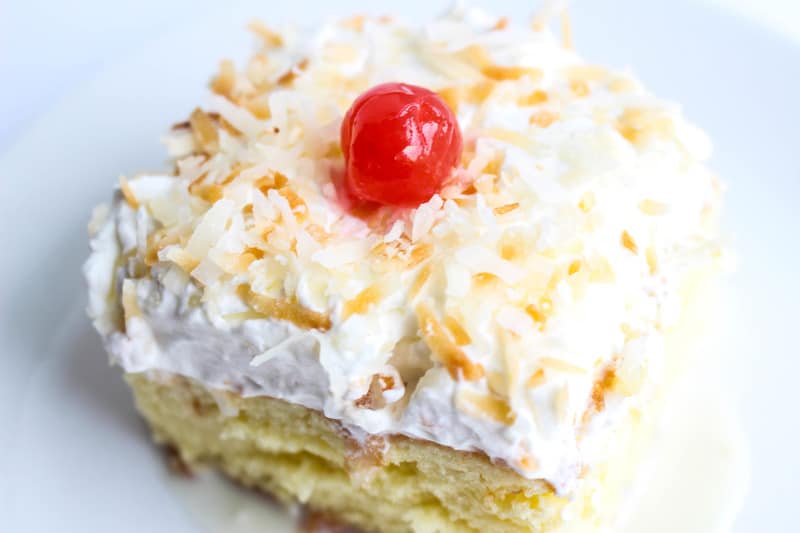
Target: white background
48	47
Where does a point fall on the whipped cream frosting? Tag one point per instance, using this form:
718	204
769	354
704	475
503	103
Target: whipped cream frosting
514	313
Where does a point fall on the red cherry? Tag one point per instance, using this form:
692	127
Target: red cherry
400	143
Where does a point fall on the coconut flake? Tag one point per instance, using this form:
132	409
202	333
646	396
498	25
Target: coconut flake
479	259
338	255
210	228
425	216
514	319
239	118
395	232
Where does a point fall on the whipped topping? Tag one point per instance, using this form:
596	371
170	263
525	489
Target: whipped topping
503	315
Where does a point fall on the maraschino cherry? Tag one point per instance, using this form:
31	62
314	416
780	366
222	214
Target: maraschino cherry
400	143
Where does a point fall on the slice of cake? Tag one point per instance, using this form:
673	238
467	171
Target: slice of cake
418	279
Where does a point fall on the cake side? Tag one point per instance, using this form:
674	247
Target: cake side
393	483
516	313
398	484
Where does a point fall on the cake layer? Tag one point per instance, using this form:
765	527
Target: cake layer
517	313
393	485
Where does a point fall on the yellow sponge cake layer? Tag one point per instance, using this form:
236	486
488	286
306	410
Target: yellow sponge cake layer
397	485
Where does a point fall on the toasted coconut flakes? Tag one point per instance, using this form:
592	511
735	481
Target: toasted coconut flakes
566	30
237	263
511	137
258	107
484	279
395	232
207	272
485	183
244	315
419	282
501	24
479	260
476	55
587	202
210	228
498	383
480	91
514	320
535	98
183	259
255	252
627	241
127	193
225	82
293	72
444	349
205	132
210	193
511	250
553	363
579	88
318	233
529	463
157	242
600	270
652	259
197	182
184	125
283	309
270	37
130	303
362	302
258	70
621	85
653	208
297	204
485	406
536	379
636	124
452	97
501	72
273	180
425	217
458	332
507	208
418	254
602	385
543	119
239	118
355	23
373	398
561	401
236	169
629	332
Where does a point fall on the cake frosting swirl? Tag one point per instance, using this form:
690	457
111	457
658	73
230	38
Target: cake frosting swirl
503	315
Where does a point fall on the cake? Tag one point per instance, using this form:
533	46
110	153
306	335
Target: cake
479	344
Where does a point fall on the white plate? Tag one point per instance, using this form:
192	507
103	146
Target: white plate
74	455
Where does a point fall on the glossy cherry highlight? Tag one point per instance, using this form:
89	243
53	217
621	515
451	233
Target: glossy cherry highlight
400	143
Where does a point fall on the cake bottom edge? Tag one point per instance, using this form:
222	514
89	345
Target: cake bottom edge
382	485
